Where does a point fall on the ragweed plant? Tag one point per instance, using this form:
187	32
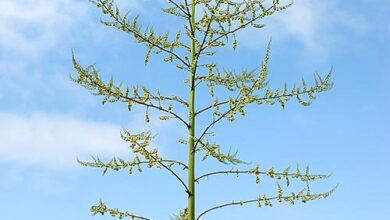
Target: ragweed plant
190	49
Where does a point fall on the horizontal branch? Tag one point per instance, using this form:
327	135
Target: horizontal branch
123	164
270	173
256	99
321	86
90	80
103	209
267	200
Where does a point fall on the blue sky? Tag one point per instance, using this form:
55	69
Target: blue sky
46	120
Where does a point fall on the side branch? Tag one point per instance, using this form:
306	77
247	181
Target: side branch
103	209
158	108
175	174
209	126
185	12
232	108
321	85
138	144
238	101
277	175
89	78
119	164
304	197
263	99
243	25
207	30
123	25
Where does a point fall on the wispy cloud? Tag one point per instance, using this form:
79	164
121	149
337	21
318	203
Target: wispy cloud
28	26
36	37
314	24
33	75
56	141
35	41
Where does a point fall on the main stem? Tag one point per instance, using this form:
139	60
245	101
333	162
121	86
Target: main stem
191	129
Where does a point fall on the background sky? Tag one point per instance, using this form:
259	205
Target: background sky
46	120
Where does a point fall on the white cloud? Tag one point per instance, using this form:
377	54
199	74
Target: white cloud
31	26
36	37
56	141
35	41
315	24
28	26
28	75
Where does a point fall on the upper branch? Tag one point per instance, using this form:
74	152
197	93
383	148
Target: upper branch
241	99
88	77
119	164
180	7
206	33
228	17
246	97
243	25
160	42
271	97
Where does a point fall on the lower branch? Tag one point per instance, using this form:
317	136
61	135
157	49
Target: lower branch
102	209
117	164
267	201
270	173
174	174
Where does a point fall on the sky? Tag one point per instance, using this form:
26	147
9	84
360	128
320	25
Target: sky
47	121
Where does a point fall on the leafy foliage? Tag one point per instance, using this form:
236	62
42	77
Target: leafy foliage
198	40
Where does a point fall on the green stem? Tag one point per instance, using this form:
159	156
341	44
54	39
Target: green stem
191	129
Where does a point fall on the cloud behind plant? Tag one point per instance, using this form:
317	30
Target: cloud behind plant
55	140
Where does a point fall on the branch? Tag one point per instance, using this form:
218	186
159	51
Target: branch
91	80
118	164
138	144
173	98
188	9
323	85
208	127
177	176
125	27
207	29
158	108
270	173
238	28
102	209
267	201
181	9
214	151
246	93
257	99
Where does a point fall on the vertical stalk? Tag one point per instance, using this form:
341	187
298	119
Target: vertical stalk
191	129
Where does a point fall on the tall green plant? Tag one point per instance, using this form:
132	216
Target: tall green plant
216	25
